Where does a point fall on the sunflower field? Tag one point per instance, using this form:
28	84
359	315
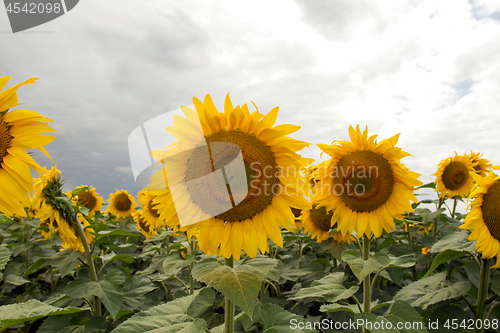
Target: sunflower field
344	245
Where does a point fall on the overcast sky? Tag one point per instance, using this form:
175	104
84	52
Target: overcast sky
429	70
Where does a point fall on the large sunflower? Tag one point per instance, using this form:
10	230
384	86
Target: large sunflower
19	130
365	184
453	177
121	204
234	212
484	216
48	190
88	198
481	165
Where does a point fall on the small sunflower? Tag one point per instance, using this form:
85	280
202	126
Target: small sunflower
121	204
484	216
481	165
365	184
258	205
19	131
453	177
88	198
425	250
143	225
317	222
298	219
47	207
149	212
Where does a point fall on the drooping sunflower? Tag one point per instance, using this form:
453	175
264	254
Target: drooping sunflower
88	198
453	177
484	216
46	205
317	223
205	181
365	184
143	225
149	212
121	204
19	130
482	166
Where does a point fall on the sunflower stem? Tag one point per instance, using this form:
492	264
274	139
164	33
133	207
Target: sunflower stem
435	231
367	295
192	248
90	261
484	280
228	305
454	208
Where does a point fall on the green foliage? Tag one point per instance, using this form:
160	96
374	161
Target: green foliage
14	314
431	290
400	313
241	284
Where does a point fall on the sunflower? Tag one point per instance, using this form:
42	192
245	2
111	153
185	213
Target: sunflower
425	250
484	216
481	165
45	206
365	184
88	198
121	204
453	177
143	225
149	212
212	148
317	222
19	130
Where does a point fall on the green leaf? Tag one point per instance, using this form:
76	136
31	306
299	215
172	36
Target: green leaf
36	265
276	320
79	288
362	268
65	261
67	324
431	290
116	276
15	280
173	264
4	256
330	288
335	307
116	232
31	310
137	287
405	261
442	258
202	302
400	314
110	293
113	256
455	241
266	265
427	215
240	284
428	185
170	317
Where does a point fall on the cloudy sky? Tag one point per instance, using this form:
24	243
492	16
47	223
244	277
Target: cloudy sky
427	69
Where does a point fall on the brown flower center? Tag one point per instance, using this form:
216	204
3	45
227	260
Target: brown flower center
122	202
491	210
143	224
321	219
87	199
455	175
364	180
152	210
248	195
5	139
